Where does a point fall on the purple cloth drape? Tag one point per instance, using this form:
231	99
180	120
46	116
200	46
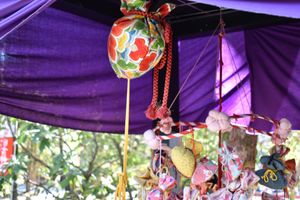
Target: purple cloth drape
55	70
274	58
284	8
14	13
200	93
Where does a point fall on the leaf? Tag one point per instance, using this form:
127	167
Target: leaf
64	183
140	25
131	66
122	64
22	138
44	143
158	43
116	69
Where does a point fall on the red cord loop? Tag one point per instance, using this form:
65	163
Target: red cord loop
153	112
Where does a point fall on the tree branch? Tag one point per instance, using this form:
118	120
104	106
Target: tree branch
44	188
117	146
35	157
92	161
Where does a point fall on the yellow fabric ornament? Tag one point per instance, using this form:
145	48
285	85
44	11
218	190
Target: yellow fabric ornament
197	148
184	160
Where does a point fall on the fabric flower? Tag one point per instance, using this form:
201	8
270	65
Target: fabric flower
166	183
139	49
204	171
189	193
240	189
147	61
284	127
112	47
283	132
119	26
122	41
147	179
217	121
232	163
165	125
151	140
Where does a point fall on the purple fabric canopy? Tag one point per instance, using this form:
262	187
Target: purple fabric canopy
200	94
284	8
14	13
55	70
274	58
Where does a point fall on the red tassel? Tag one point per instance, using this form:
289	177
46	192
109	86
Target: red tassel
163	112
151	112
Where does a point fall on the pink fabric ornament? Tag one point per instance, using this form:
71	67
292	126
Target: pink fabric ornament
240	189
284	127
267	196
161	160
247	180
222	193
174	196
166	183
283	132
232	163
151	140
165	125
217	121
189	193
204	171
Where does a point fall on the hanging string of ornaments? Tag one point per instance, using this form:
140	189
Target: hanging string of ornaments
141	41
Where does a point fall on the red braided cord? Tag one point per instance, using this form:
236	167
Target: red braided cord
152	108
169	68
221	34
151	112
162	61
254	117
163	111
155	86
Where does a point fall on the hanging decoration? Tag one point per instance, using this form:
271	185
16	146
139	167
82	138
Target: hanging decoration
272	176
163	191
233	165
204	178
230	178
184	160
139	42
238	180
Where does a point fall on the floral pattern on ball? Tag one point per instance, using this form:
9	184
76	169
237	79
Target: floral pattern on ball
136	43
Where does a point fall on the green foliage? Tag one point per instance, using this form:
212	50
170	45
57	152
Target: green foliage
69	164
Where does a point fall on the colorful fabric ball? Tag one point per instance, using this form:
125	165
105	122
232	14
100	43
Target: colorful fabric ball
136	43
